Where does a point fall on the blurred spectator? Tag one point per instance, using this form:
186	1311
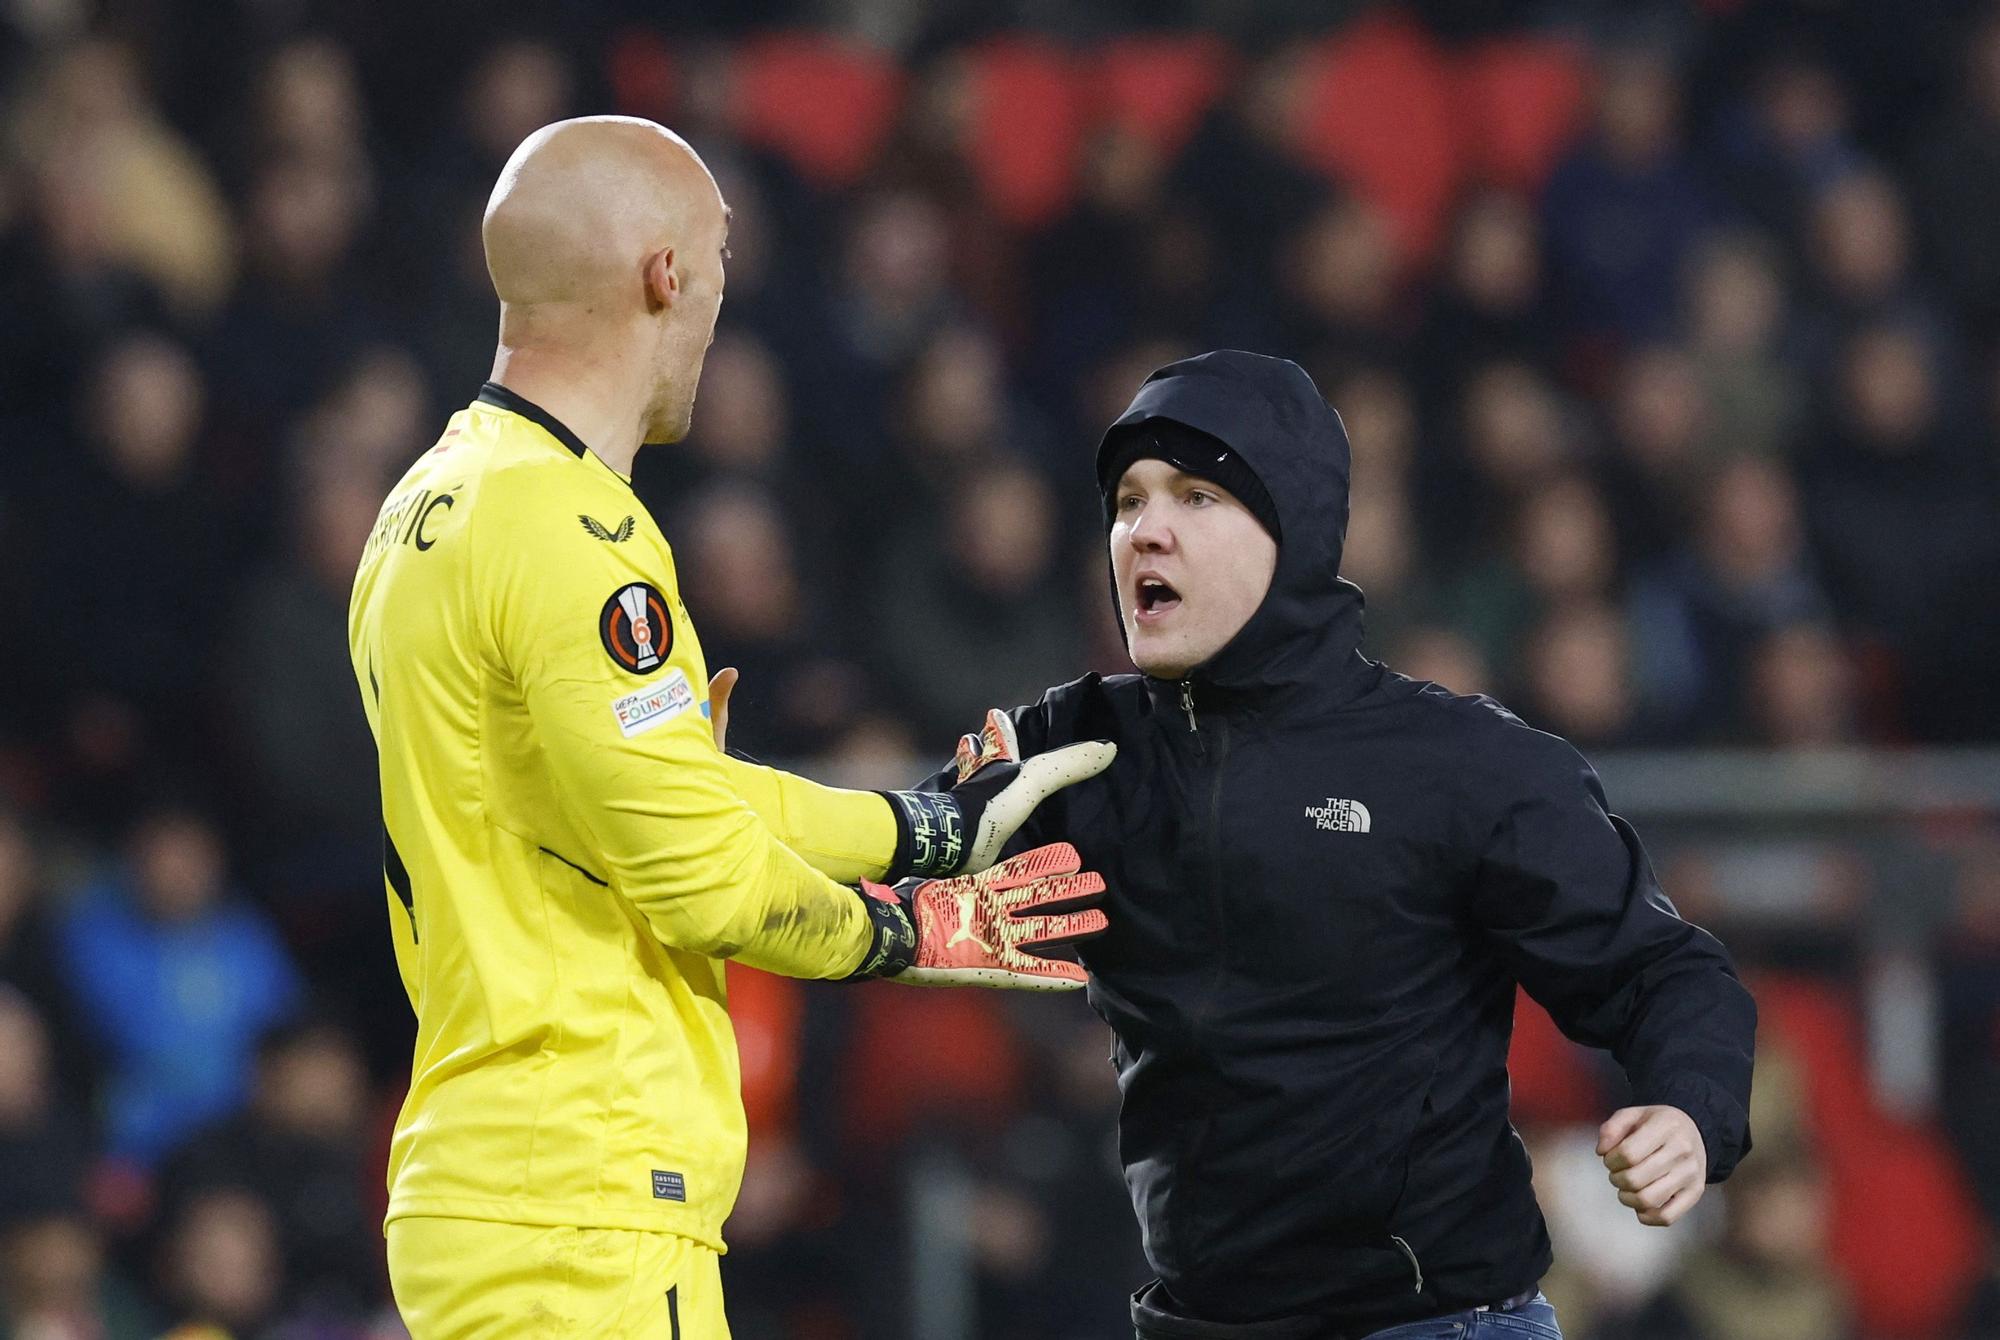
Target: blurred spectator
1860	250
1442	656
1091	260
221	1266
1742	575
292	714
1958	181
1339	276
896	290
53	1281
1736	334
301	315
1562	551
309	104
154	204
1579	677
756	613
1489	302
128	528
1801	690
54	1284
1625	210
1661	444
1243	174
1769	1277
972	609
372	423
300	1149
1788	140
1514	431
175	979
1380	557
43	1153
28	962
1895	519
745	420
1050	1227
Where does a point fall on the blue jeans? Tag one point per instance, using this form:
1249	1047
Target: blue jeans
1534	1320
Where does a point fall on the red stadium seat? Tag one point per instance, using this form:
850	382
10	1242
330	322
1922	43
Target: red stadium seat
640	66
1905	1231
825	104
1027	127
927	1054
1521	102
1379	115
1159	86
764	1010
1551	1077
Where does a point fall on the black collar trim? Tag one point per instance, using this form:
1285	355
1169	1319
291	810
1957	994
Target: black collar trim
493	393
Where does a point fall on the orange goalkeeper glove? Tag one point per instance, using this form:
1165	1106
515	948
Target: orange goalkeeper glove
988	929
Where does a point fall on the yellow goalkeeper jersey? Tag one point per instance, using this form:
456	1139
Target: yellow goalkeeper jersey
568	857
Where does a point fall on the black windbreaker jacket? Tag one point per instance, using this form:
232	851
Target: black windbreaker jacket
1325	881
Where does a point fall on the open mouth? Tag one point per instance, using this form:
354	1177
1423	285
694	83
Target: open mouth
1156	599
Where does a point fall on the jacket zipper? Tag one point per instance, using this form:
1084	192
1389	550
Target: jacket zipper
1187	706
1413	1260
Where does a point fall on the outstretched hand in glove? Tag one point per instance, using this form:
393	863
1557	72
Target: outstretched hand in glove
987	929
965	829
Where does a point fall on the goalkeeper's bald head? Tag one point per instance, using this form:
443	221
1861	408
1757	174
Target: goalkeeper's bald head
605	237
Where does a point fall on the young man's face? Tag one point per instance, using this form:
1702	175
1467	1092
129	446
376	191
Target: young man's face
1191	562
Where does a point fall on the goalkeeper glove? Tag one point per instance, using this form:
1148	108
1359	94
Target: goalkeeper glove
940	833
988	929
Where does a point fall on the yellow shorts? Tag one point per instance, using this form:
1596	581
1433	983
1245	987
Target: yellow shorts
465	1279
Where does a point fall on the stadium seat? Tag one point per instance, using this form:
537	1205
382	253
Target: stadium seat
1905	1233
823	103
764	1010
1521	102
1553	1080
1378	115
640	67
1028	119
1159	86
919	1055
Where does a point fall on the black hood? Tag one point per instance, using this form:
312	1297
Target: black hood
1267	410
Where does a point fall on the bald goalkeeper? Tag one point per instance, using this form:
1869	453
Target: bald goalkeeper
569	856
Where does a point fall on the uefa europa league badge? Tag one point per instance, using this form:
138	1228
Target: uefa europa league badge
635	627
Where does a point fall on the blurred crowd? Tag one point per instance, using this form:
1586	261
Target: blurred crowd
1668	337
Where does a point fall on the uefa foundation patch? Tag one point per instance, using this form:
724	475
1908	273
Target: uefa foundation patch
663	700
635	627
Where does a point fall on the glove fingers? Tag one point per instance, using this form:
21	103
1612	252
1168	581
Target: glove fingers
1045	774
1043	975
993	742
1056	893
1034	934
1054	974
1058	858
1000	735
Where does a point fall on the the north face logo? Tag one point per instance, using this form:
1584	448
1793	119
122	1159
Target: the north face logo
1340	816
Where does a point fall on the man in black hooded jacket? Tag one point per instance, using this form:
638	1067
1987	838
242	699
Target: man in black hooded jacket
1326	881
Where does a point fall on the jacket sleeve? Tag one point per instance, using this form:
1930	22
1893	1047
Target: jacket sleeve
1566	894
635	764
847	836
